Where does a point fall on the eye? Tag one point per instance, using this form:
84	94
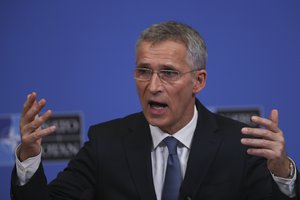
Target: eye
169	73
143	72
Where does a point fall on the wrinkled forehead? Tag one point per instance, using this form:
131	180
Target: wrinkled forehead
169	53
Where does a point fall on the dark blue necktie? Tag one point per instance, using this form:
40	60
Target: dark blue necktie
173	176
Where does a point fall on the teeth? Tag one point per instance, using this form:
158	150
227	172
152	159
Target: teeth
157	107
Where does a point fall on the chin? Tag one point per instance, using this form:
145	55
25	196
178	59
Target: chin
156	122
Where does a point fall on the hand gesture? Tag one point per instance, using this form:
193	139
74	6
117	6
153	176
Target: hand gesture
31	127
268	142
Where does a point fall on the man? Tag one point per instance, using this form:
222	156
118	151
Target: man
132	157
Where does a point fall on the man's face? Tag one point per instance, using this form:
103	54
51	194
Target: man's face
167	105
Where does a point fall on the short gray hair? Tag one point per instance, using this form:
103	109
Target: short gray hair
178	32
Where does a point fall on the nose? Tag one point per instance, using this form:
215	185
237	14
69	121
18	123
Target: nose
155	84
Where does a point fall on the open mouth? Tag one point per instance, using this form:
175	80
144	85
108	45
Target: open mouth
157	105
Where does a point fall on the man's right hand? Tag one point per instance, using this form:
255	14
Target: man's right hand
31	127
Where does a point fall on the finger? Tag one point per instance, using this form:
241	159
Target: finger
36	123
268	123
266	153
33	111
261	133
258	143
274	116
28	103
39	134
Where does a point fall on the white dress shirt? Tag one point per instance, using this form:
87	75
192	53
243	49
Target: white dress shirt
160	153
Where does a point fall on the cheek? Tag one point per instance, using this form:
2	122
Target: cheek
140	90
181	96
181	92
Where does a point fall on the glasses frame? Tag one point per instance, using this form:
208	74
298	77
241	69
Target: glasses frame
160	74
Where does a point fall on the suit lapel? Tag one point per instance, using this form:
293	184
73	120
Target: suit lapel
138	143
203	150
138	150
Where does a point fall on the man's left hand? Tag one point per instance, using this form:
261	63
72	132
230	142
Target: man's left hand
268	142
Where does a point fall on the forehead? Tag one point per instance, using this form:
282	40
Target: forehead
162	53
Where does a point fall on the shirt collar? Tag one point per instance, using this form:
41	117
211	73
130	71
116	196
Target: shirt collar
184	135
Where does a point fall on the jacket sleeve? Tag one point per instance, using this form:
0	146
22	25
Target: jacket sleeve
76	181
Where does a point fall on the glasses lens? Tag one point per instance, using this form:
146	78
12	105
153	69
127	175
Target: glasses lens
143	73
169	75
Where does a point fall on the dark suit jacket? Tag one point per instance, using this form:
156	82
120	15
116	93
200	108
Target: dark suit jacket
116	164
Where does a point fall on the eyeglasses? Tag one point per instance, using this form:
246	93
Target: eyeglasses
167	75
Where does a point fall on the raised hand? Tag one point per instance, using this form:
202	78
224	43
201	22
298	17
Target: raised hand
31	127
268	142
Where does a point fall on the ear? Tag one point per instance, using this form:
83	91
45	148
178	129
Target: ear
199	80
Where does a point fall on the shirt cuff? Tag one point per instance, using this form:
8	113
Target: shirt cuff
27	168
287	185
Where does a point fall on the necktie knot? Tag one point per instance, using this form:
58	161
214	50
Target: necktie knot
171	143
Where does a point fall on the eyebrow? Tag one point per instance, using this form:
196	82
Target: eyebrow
143	65
161	67
167	67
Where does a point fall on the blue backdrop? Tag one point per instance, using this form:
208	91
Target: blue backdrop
79	55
